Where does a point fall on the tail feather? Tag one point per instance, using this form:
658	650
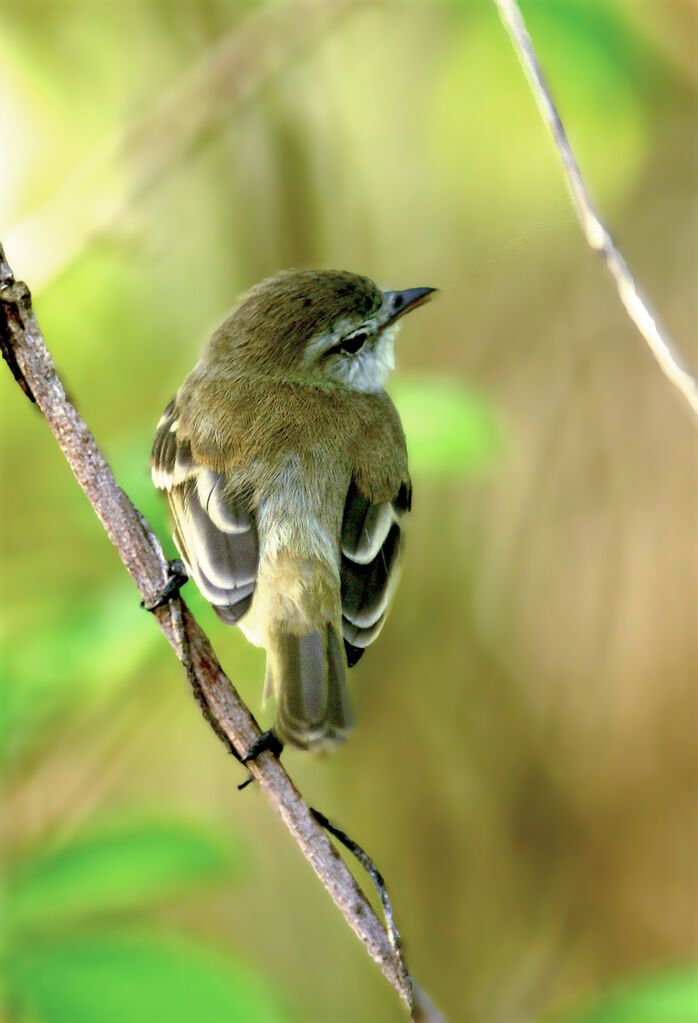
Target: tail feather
306	673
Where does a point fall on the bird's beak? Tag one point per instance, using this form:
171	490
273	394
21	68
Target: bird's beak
397	303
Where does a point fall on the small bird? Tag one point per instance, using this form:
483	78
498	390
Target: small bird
285	467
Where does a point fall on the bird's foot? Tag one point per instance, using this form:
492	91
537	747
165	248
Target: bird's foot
267	742
175	581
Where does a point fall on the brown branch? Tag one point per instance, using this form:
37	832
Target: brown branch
25	351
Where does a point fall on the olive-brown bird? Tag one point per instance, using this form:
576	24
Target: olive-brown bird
285	467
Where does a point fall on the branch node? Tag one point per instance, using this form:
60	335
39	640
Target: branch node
15	300
6	275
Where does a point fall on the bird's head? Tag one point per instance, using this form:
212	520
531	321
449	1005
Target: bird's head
317	326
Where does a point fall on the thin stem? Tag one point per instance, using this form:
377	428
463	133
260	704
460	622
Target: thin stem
664	349
379	884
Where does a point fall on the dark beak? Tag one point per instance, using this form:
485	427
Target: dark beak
397	303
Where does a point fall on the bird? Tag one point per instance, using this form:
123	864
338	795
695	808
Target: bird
284	463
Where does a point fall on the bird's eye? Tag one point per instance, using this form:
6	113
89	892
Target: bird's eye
353	343
349	345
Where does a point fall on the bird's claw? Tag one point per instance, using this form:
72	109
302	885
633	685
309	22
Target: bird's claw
267	742
175	581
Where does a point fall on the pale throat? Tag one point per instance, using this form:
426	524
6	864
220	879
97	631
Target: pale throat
368	370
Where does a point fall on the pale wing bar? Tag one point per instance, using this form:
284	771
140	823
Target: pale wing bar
215	530
370	554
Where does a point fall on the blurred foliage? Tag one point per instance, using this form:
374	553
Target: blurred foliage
667	998
450	429
113	977
124	868
81	659
523	767
69	957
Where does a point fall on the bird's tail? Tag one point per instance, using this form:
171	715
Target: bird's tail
306	663
306	673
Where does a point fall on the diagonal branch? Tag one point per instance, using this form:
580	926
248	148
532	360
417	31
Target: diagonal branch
665	351
30	361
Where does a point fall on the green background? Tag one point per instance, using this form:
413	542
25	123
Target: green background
524	764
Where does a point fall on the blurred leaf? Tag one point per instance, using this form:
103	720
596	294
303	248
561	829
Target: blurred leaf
666	998
143	978
450	429
82	652
128	867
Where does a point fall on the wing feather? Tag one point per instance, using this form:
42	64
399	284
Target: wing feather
370	555
214	524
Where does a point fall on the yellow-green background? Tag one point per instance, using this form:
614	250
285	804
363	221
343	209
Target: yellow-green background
524	764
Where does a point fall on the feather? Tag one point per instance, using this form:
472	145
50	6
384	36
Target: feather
366	588
370	544
215	529
229	511
360	638
307	676
353	653
233	612
365	526
403	499
217	536
161	470
356	640
171	459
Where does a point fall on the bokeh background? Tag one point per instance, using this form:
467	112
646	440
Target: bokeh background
524	765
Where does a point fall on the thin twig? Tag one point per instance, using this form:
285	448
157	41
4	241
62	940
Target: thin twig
662	346
422	1009
24	349
379	883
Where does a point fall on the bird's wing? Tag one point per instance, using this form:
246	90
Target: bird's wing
370	556
214	524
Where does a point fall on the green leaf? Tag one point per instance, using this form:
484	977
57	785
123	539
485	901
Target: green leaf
450	429
662	998
126	867
140	978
